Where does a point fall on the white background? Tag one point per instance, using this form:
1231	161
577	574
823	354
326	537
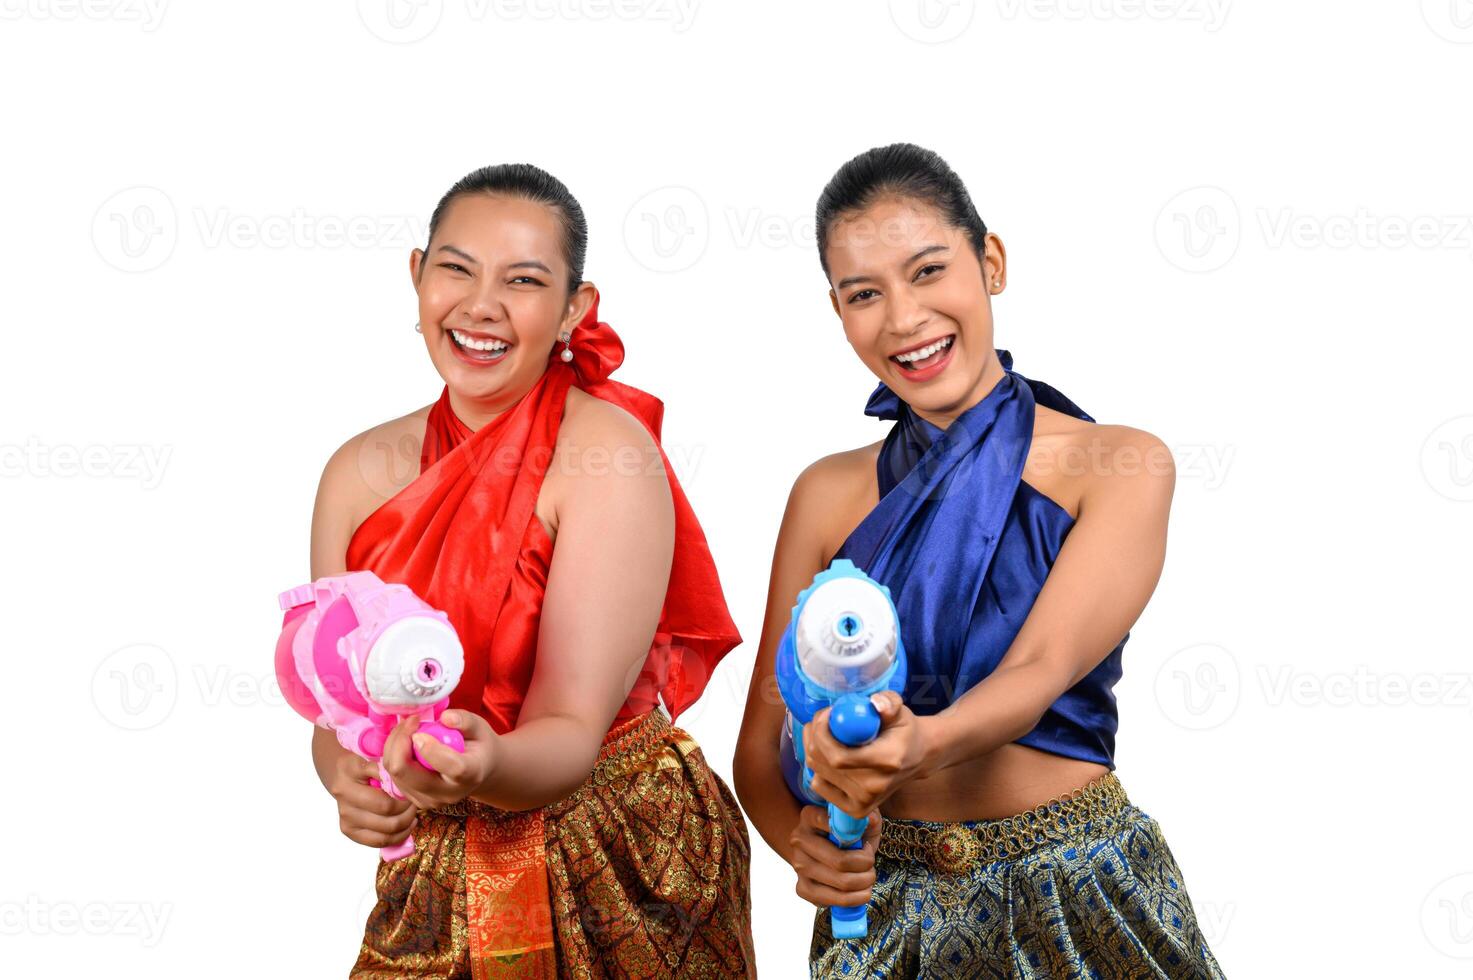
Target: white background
1244	226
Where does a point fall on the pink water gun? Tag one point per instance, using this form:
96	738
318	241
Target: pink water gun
356	655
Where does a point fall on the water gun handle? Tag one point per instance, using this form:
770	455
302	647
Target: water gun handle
447	736
405	847
853	721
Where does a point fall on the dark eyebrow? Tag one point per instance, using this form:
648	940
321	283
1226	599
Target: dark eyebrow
452	248
854	280
525	264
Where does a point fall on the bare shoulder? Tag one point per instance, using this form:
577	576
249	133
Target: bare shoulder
374	465
1073	461
606	459
591	421
842	473
367	469
1126	466
832	495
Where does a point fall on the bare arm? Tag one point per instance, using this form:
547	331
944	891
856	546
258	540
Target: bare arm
826	873
332	526
1098	587
605	590
797	557
366	815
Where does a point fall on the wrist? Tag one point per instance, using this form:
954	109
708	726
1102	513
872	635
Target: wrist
488	792
485	789
937	742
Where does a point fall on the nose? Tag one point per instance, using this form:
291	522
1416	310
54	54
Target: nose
904	316
484	303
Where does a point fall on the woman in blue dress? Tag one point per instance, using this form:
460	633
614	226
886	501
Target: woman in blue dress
1020	540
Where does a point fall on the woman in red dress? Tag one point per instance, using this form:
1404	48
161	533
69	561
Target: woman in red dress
580	834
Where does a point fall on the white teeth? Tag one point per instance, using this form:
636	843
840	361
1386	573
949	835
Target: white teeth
474	344
924	352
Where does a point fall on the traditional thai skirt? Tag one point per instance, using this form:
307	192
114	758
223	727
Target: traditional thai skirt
641	872
1083	886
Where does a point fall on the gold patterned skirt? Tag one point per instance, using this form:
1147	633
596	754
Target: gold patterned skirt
642	872
1082	886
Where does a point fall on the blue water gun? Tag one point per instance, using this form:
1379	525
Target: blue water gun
842	645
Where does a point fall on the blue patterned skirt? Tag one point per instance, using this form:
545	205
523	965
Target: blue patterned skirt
1080	887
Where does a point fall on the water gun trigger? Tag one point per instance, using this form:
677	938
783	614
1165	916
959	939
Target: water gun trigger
854	719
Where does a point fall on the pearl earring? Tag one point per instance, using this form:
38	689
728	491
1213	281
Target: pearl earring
567	354
417	328
997	284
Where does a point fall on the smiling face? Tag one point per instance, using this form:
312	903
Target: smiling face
494	299
916	304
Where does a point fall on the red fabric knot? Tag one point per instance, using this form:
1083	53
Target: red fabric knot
597	349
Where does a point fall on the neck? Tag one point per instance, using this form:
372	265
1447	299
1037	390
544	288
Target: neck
478	412
992	373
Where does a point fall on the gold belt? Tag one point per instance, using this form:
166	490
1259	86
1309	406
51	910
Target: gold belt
952	847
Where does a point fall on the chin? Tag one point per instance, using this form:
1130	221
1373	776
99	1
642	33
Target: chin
935	402
947	398
481	387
